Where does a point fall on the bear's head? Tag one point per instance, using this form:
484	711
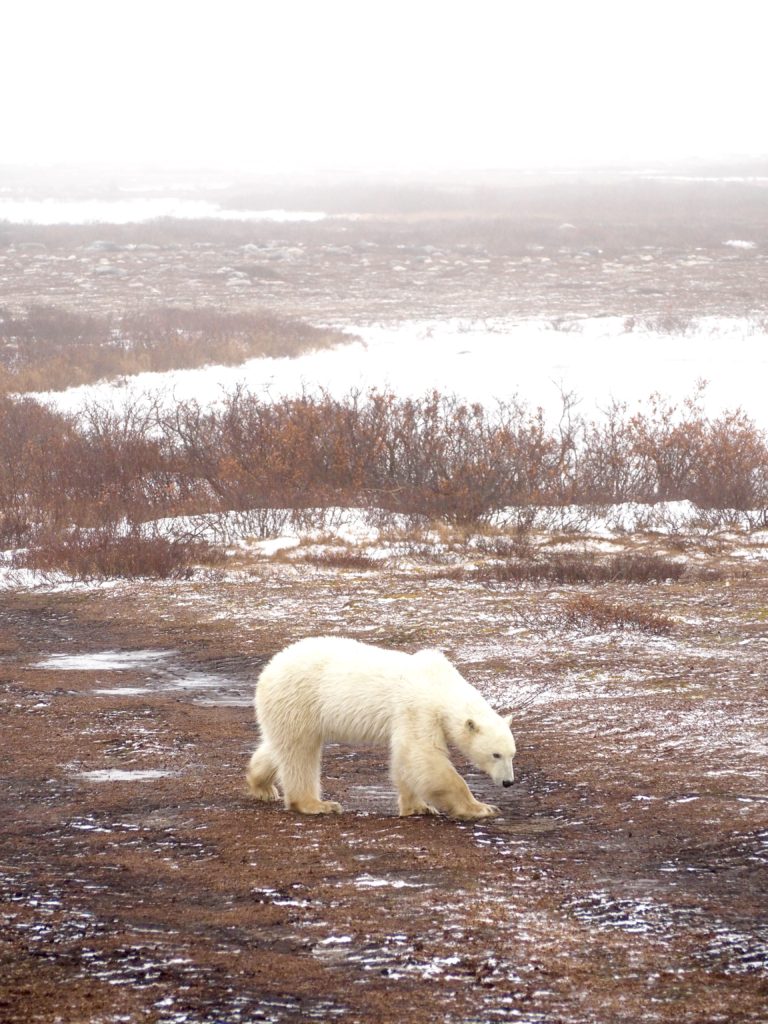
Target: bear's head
489	744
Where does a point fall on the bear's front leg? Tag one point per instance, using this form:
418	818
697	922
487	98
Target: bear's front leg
403	770
408	803
447	791
427	783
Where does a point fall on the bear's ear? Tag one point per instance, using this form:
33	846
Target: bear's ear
508	719
472	725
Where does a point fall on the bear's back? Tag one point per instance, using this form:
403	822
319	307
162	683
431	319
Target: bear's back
347	690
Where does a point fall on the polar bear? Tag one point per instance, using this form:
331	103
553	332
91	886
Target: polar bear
331	688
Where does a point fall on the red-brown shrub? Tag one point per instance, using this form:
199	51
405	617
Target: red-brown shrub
587	613
434	458
105	553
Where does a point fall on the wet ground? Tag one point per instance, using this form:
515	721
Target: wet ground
626	879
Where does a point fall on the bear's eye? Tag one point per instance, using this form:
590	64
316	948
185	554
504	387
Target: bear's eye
497	755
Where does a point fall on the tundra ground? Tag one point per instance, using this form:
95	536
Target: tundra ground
626	879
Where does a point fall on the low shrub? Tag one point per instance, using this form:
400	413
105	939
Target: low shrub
45	348
584	612
421	460
583	567
104	554
632	567
343	560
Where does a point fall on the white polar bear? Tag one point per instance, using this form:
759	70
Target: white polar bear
331	688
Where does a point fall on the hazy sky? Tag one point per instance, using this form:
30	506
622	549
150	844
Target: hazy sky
379	84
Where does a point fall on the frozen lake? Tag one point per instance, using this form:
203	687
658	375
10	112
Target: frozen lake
135	210
598	359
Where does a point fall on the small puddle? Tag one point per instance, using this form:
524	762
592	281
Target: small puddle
102	661
122	691
280	897
163	673
371	799
124	774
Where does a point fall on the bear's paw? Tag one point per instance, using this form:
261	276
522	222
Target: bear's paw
480	810
312	806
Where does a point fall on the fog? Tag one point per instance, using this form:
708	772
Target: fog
350	85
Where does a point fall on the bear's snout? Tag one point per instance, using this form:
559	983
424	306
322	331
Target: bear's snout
506	783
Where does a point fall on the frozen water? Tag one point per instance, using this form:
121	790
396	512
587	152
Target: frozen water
104	661
124	774
135	210
599	359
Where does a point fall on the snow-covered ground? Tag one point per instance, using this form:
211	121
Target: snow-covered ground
599	359
384	537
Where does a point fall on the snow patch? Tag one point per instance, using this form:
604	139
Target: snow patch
600	359
132	211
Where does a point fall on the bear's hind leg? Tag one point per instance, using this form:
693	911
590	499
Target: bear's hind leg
262	773
300	778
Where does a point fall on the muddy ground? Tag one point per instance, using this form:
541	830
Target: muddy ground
626	879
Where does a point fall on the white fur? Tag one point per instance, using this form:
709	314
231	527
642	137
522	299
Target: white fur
334	689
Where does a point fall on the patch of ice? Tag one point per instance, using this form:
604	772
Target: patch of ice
124	774
132	211
102	661
122	691
371	882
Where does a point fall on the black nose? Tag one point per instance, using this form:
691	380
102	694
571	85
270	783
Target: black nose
507	782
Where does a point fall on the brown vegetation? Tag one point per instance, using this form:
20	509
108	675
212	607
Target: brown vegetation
342	560
106	553
45	348
575	568
433	458
585	612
